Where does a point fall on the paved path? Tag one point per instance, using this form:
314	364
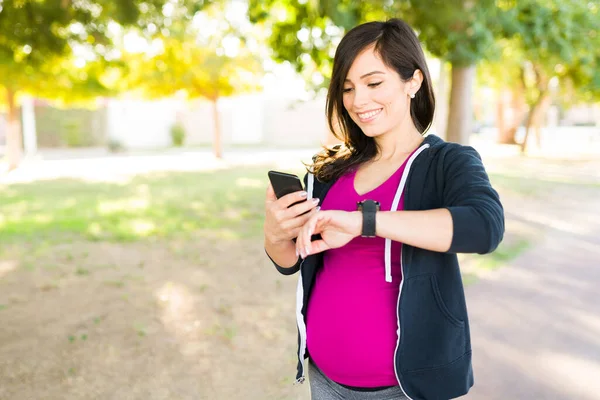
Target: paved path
536	324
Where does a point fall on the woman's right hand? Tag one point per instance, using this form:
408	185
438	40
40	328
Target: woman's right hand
283	224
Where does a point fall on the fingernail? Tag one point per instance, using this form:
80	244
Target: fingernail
318	208
316	200
309	232
302	255
307	250
303	194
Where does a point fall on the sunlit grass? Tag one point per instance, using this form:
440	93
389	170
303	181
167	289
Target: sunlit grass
162	205
533	187
506	252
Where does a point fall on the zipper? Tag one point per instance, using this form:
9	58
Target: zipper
398	319
407	171
301	325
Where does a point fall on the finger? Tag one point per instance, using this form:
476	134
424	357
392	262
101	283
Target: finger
300	220
271	194
289	199
318	246
294	234
318	223
301	241
309	229
321	222
299	251
303	207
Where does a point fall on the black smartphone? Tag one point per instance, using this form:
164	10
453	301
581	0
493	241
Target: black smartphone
284	183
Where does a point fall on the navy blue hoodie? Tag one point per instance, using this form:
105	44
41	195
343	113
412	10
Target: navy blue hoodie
433	354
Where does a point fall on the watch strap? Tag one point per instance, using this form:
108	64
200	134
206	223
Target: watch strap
369	210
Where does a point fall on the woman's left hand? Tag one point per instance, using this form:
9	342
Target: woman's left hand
336	228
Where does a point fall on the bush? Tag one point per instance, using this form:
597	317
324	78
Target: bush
115	146
72	134
177	135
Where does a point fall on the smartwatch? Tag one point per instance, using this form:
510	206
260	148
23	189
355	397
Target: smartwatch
368	208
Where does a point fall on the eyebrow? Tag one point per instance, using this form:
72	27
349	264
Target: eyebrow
365	75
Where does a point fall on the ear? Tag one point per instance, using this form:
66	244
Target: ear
414	84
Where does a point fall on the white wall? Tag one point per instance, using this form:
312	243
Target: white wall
241	120
3	127
256	119
271	120
141	124
295	123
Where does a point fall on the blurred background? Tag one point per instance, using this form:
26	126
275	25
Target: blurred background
135	138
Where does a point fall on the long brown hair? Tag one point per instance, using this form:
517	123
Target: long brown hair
400	49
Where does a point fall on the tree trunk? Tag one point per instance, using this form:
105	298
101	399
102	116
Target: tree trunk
501	118
534	110
217	144
14	145
441	106
460	116
28	128
538	121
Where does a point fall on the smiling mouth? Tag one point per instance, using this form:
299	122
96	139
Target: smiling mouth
368	116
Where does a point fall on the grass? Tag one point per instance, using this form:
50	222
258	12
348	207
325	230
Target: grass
224	203
506	252
536	187
164	205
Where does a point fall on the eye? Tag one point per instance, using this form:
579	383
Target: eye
375	84
347	90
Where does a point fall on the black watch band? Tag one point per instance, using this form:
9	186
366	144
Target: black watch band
369	209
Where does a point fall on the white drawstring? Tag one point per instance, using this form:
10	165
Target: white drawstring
388	242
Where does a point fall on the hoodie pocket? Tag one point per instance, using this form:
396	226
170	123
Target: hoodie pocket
431	336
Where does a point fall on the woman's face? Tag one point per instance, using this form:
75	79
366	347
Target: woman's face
375	96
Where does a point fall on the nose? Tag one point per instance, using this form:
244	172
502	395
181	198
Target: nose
361	98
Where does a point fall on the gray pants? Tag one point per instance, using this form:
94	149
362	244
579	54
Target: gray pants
323	388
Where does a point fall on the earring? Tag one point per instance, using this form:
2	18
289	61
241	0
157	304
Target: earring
412	95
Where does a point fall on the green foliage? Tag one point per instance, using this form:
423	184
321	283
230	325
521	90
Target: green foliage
177	135
306	33
546	39
39	41
461	32
195	61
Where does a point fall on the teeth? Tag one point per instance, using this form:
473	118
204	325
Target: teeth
369	114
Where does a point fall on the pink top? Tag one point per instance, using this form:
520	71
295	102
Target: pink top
351	317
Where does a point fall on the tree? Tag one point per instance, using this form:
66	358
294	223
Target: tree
217	63
38	44
558	38
546	41
463	33
305	33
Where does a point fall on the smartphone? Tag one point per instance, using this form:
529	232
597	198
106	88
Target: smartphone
284	183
